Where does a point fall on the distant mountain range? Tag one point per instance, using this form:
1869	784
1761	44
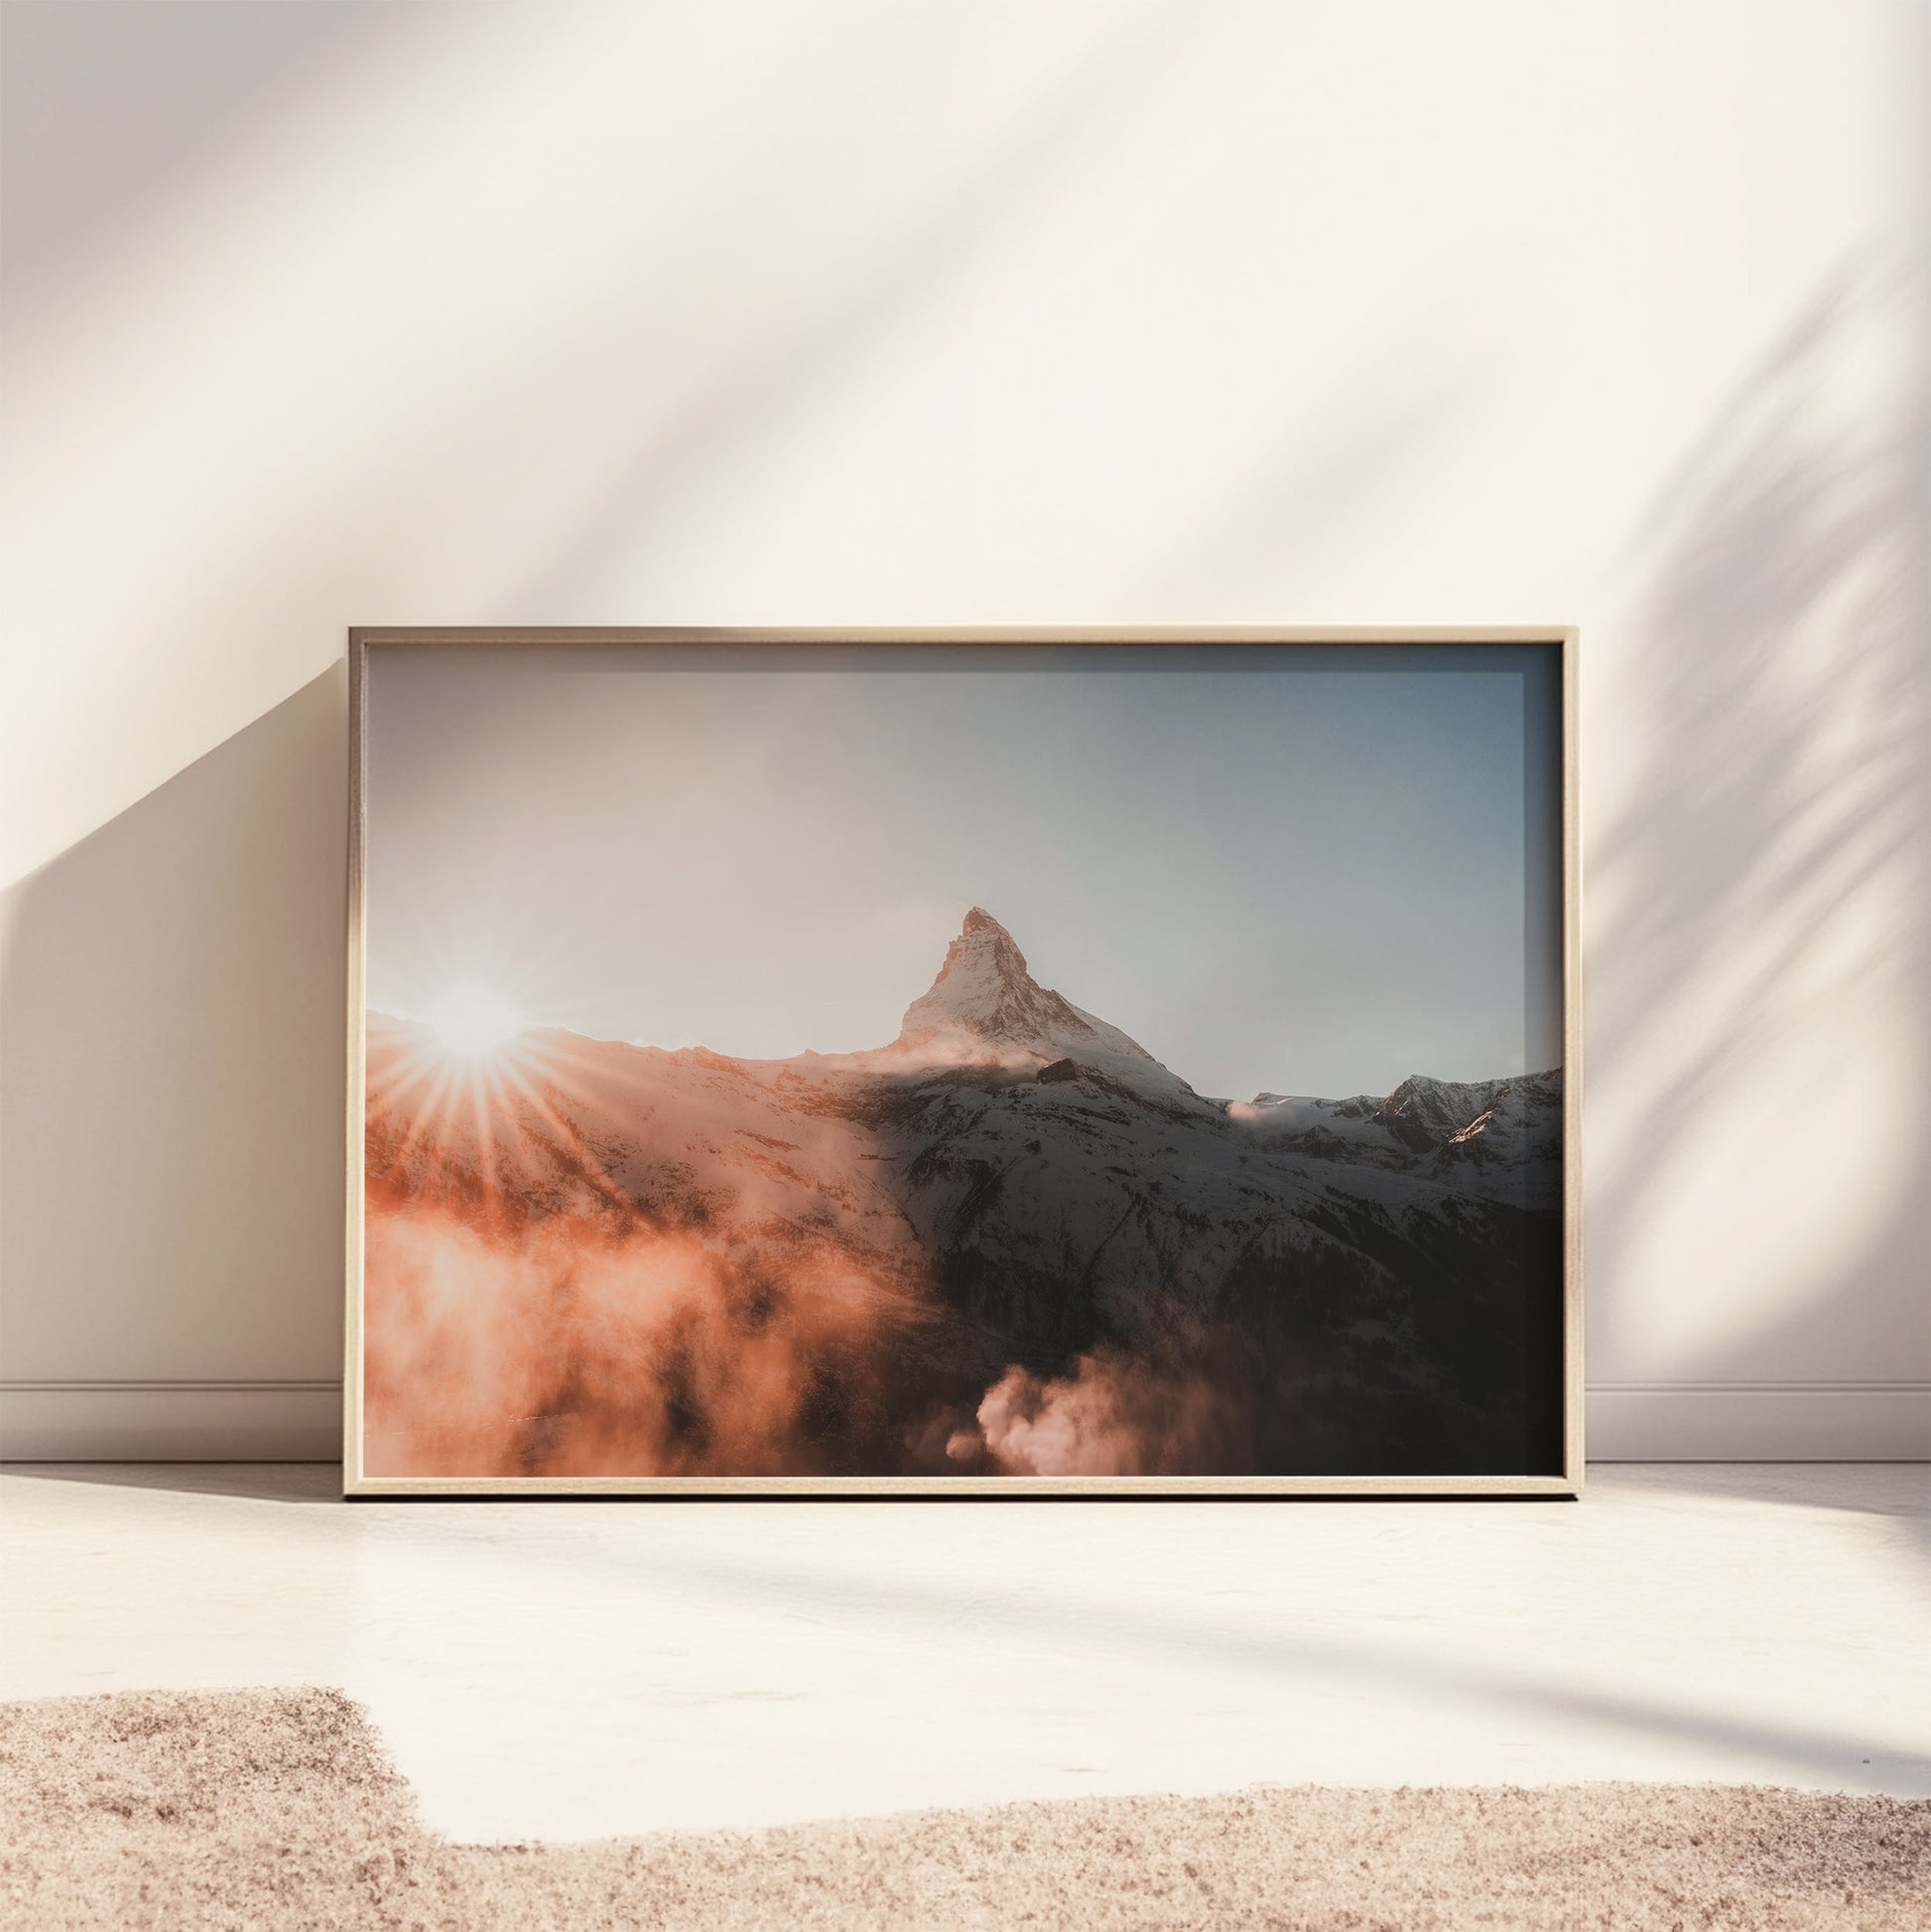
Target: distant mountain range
1010	1240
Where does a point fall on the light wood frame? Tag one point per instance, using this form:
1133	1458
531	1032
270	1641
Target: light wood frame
1567	1484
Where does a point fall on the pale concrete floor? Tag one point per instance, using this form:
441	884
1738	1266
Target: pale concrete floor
572	1670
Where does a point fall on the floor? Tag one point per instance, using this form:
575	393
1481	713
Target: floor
575	1670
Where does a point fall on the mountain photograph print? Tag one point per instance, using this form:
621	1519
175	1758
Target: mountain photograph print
961	1064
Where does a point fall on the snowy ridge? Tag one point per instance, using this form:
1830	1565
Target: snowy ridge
1499	1138
1025	1184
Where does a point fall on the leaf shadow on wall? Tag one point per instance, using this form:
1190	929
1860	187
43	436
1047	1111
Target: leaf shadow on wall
171	1114
1760	907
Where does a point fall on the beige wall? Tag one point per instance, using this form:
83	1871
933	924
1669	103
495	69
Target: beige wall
318	315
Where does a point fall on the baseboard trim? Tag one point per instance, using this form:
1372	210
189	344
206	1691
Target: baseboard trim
301	1422
171	1422
1759	1422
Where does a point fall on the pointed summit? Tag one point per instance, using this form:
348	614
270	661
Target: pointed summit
986	1010
985	999
979	920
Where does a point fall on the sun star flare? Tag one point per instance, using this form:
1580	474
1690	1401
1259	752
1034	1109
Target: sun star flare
473	1022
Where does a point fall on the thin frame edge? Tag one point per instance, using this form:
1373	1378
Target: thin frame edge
354	1127
1569	1482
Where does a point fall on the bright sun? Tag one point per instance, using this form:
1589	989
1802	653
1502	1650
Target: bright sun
473	1022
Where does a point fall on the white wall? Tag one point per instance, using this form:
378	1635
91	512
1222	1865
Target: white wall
601	311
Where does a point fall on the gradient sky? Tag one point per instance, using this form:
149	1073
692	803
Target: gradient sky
1301	869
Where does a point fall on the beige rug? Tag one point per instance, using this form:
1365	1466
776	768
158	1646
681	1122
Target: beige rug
267	1809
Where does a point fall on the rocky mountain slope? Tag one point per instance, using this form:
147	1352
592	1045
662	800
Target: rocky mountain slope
1009	1239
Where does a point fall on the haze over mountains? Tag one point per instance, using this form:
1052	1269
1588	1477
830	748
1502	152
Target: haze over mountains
1010	1240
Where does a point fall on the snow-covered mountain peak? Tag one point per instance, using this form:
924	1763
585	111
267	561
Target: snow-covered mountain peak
1497	1138
986	1008
985	1000
980	925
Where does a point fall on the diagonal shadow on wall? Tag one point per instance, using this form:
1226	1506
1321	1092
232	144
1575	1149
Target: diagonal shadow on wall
170	1072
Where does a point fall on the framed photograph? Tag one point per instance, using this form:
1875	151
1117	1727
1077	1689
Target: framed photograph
964	1063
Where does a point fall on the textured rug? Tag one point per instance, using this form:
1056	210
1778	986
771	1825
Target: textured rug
270	1809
